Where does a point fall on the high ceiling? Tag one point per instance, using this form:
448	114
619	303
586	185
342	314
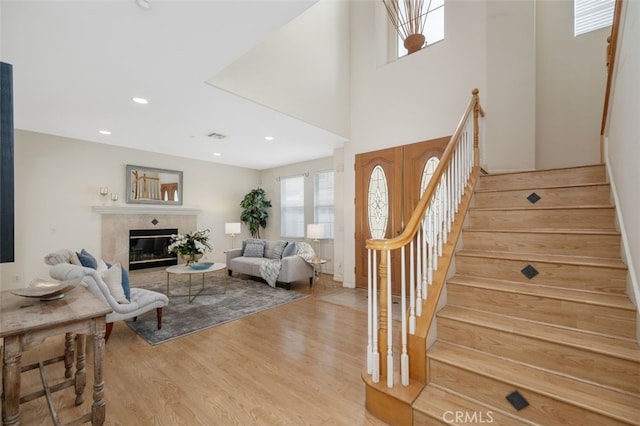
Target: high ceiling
78	64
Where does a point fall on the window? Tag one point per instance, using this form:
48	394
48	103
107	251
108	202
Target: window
292	207
433	27
323	201
591	15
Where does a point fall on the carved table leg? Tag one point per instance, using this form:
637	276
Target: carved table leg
11	380
98	409
68	354
81	370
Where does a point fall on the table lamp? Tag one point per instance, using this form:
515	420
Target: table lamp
315	231
232	228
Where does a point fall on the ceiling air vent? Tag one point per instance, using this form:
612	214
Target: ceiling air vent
217	135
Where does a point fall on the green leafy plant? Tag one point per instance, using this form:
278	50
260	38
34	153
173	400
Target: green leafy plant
254	211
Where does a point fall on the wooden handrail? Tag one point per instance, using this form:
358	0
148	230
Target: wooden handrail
611	57
414	221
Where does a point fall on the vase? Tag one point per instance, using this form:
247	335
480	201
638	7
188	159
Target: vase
191	257
414	42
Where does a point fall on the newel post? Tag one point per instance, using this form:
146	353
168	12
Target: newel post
383	331
476	112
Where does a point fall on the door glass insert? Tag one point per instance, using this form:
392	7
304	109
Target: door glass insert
428	170
378	203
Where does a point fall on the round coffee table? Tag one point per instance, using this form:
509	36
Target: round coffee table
184	269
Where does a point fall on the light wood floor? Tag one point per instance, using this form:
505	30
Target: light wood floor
298	364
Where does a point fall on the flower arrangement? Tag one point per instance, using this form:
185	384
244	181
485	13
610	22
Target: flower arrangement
195	242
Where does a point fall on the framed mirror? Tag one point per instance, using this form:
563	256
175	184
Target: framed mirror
148	185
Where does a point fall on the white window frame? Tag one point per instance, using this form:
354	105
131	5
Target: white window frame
433	7
292	206
324	202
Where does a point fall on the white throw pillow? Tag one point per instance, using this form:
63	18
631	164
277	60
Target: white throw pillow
113	278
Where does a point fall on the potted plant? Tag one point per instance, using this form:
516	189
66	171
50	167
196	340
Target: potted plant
254	211
190	246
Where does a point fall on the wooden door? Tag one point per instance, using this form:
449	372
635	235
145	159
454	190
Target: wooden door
415	157
403	169
388	201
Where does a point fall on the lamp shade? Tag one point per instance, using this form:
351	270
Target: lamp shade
232	228
315	231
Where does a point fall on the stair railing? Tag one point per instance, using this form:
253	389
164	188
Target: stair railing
423	239
612	46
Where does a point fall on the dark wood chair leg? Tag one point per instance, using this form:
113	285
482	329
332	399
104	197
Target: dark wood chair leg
108	331
159	316
310	281
229	271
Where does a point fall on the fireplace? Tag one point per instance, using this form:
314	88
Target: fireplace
148	248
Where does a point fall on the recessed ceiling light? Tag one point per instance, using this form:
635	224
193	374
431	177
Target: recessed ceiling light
269	138
142	101
216	154
104	132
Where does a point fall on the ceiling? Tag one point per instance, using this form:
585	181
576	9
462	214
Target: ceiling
77	66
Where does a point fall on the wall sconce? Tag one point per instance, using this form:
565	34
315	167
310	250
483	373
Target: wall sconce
104	191
232	228
114	197
315	231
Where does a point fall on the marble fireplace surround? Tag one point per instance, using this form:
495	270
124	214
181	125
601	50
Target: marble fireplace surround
118	220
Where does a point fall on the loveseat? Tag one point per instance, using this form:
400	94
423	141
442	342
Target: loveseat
275	261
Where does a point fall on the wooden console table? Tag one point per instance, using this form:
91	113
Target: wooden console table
26	323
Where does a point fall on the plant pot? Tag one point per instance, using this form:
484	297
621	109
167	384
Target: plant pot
191	257
414	42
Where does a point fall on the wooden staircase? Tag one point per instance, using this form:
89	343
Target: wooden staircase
537	306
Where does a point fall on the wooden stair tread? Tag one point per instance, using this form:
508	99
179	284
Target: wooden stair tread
436	401
607	345
619	301
621	406
543	171
534	187
543	208
547	258
568	231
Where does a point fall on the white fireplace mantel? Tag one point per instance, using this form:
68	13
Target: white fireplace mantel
144	209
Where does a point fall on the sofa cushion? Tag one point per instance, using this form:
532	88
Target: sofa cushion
248	241
253	250
274	249
87	259
290	249
113	278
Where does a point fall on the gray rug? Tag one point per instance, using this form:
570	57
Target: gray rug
223	299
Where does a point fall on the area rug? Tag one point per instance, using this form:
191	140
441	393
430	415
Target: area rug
223	299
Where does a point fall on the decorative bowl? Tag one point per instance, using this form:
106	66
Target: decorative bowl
47	290
200	266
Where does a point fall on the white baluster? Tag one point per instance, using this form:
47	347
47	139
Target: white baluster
369	316
418	272
425	269
412	291
404	358
376	353
389	324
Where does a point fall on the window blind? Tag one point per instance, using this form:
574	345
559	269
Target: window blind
590	15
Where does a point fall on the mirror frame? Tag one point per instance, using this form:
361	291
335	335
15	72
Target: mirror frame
130	180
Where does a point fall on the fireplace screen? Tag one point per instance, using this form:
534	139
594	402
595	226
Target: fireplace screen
148	248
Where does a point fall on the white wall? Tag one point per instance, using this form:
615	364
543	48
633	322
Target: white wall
418	97
510	95
571	78
271	186
623	144
57	183
301	70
